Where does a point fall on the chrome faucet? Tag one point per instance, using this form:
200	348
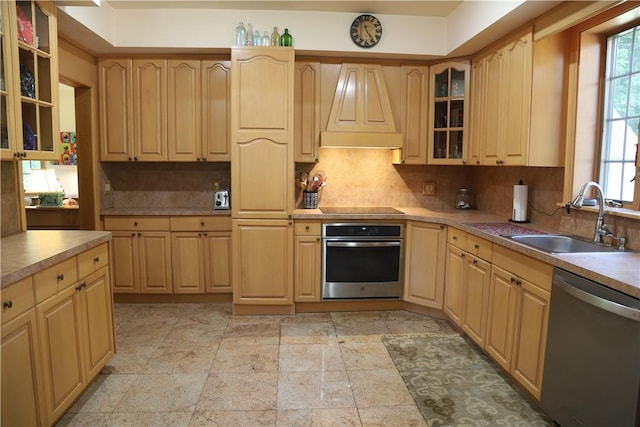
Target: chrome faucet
601	229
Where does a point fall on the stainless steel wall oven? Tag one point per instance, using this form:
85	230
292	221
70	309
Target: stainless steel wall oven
362	261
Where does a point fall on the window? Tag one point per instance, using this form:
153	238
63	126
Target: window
621	115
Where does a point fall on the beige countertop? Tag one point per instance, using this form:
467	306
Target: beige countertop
620	271
24	254
154	211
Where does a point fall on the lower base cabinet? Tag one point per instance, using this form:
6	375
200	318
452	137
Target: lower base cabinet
425	264
262	262
307	279
76	340
21	372
519	299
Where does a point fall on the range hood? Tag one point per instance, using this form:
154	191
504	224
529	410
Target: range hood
361	114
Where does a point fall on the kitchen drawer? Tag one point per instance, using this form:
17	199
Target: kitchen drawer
17	298
54	279
523	266
136	223
201	223
307	228
92	260
457	238
479	247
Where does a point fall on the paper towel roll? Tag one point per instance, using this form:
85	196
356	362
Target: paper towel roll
520	194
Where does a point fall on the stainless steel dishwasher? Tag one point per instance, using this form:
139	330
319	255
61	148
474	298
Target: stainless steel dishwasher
592	359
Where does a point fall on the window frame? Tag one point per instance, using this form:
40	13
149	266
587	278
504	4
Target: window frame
587	51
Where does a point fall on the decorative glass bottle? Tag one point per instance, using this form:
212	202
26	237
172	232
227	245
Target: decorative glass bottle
275	37
249	35
241	35
257	39
286	39
266	40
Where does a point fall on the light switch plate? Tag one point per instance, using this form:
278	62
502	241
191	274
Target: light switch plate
429	188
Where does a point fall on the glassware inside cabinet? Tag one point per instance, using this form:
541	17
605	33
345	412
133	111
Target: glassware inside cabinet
442	84
42	41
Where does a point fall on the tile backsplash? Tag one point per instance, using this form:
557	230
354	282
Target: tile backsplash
360	177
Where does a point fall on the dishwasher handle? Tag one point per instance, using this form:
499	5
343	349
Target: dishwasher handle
602	303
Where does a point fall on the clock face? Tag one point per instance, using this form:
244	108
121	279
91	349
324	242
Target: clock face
366	31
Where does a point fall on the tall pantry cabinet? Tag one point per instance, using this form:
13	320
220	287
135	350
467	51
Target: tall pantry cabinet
262	135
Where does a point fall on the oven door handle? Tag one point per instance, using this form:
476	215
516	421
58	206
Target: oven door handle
363	244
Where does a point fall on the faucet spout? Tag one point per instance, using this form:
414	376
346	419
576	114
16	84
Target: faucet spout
579	201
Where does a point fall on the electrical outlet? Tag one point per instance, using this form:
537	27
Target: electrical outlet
429	188
107	188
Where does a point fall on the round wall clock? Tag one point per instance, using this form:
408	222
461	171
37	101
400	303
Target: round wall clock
366	31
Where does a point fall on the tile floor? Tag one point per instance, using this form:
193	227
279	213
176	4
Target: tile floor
196	365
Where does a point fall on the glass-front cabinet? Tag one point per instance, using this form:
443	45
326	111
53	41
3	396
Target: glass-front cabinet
448	115
29	81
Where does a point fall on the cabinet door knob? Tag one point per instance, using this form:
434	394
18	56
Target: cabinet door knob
130	159
513	279
60	277
462	255
202	223
8	304
306	228
139	234
133	234
204	159
476	246
135	223
475	261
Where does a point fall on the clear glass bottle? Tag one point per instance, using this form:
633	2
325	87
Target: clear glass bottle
266	40
257	39
465	199
275	37
241	35
249	35
286	39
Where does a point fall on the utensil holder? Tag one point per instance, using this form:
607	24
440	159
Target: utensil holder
310	199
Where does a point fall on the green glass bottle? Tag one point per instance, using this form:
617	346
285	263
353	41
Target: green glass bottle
286	39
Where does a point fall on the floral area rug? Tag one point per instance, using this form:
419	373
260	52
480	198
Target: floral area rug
454	384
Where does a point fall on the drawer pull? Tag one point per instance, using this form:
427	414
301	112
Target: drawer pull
60	277
81	286
135	223
476	246
96	259
455	237
8	304
202	223
306	227
475	261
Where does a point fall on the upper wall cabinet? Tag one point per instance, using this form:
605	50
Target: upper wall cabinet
517	114
307	112
216	117
164	109
448	113
29	81
414	116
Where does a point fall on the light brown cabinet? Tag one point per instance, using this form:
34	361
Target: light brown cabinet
262	134
415	107
448	113
519	299
262	84
307	112
57	333
201	255
29	89
184	130
157	109
21	366
216	111
308	262
141	255
467	289
262	262
424	267
133	109
517	102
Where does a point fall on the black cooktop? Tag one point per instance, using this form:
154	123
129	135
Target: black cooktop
360	210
